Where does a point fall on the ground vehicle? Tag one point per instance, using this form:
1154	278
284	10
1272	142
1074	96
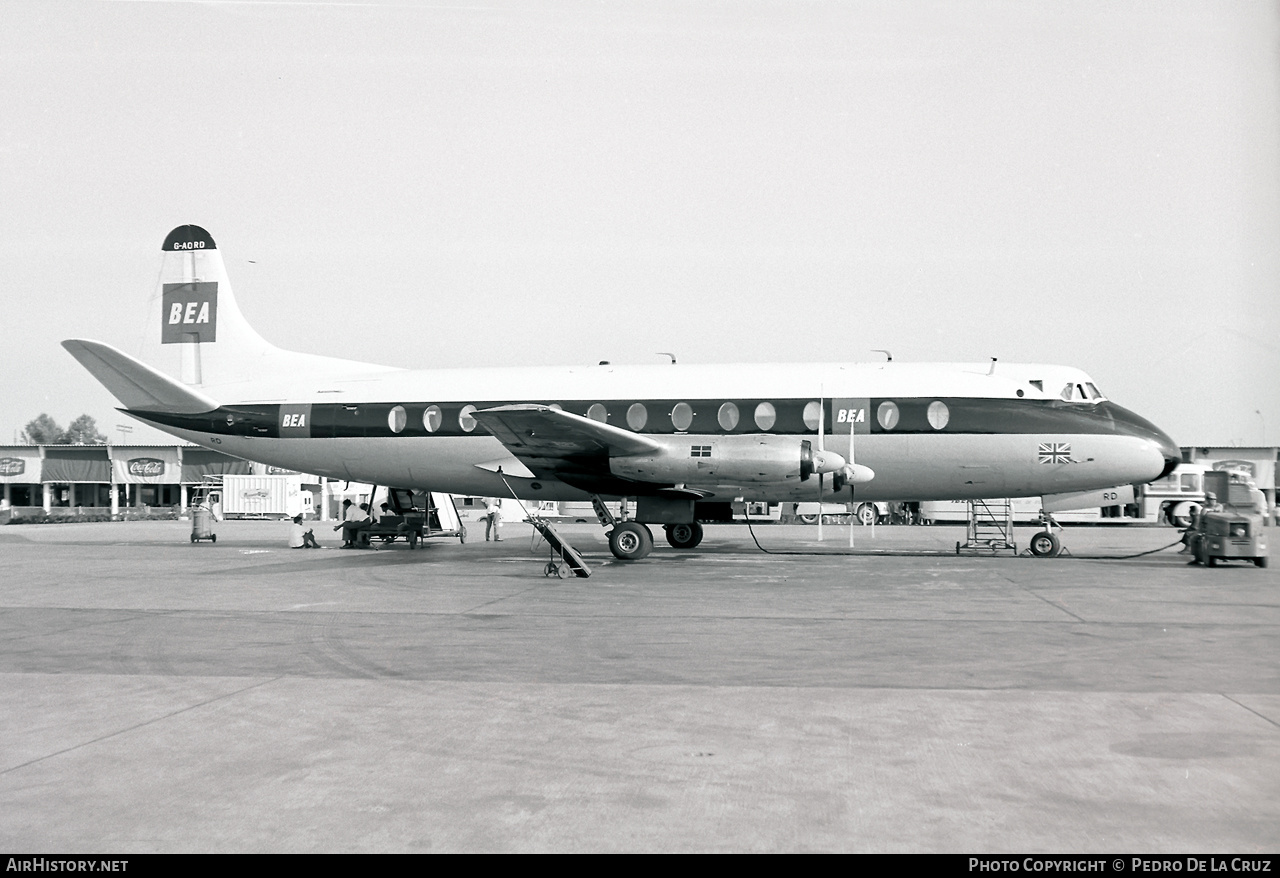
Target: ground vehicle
1234	531
867	513
414	516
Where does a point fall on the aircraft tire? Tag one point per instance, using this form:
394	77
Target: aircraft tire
684	536
1260	562
630	541
1045	545
866	513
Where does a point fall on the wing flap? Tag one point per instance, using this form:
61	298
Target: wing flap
135	384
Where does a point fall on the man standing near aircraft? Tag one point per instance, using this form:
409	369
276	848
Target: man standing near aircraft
492	519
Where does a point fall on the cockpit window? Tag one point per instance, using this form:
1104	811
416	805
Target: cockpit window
1076	392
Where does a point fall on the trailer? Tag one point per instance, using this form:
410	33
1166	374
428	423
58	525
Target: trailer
277	496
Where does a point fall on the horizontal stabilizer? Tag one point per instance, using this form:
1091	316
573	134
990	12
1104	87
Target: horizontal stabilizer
135	384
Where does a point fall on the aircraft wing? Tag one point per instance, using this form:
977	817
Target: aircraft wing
552	442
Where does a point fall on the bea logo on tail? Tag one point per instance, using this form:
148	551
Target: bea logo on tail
190	313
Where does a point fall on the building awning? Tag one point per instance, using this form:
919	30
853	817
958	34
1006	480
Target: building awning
20	464
200	462
76	463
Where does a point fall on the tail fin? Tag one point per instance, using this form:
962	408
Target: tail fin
197	334
197	331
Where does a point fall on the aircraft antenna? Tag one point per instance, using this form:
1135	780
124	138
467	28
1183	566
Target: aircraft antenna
668	354
888	357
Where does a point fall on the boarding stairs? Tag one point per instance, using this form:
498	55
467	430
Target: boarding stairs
989	527
564	557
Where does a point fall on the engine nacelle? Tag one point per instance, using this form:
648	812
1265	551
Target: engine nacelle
691	460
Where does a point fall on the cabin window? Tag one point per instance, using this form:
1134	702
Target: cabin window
432	418
888	415
812	412
465	421
1038	384
766	416
728	416
637	416
397	419
598	412
938	414
682	416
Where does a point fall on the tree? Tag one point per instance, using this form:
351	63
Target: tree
44	430
83	431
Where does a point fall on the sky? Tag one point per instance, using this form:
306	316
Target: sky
1094	184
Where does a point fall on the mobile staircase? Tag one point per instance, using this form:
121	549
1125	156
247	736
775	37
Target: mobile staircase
989	527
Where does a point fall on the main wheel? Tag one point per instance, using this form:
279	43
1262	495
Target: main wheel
1261	561
1045	544
630	541
866	514
684	536
413	539
462	534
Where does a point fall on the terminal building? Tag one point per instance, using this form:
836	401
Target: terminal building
125	481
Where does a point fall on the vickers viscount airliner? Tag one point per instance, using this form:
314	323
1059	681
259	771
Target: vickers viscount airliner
685	442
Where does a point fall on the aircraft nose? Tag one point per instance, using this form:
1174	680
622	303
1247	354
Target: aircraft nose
1138	426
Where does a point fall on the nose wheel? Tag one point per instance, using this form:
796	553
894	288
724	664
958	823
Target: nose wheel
1045	545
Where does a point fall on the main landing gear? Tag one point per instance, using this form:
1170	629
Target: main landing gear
684	536
632	540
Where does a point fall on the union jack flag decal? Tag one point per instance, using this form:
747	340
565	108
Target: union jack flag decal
1055	452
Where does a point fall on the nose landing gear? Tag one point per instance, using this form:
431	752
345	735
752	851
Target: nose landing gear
1045	544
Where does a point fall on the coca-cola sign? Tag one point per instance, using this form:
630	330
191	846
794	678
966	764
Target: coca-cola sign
146	466
12	466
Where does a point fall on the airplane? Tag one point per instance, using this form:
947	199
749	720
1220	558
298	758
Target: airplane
686	442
